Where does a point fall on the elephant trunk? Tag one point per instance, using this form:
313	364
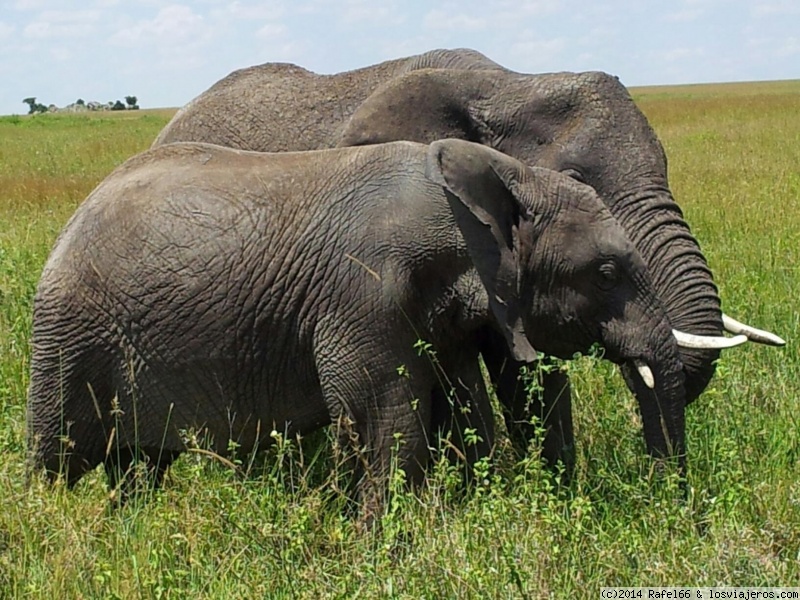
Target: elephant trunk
662	405
680	275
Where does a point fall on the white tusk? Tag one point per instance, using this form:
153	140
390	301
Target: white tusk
753	334
645	373
714	342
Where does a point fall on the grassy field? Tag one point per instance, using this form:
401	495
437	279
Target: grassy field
279	532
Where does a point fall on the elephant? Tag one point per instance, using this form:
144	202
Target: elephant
235	293
279	107
585	125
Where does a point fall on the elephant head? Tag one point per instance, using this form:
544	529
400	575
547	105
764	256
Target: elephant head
562	275
587	126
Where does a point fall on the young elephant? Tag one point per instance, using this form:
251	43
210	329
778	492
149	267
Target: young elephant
233	293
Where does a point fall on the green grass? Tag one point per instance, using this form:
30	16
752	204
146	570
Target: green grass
734	153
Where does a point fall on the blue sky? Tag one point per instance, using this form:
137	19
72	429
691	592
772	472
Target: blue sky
165	53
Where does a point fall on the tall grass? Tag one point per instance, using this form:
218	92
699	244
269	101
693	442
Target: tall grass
280	532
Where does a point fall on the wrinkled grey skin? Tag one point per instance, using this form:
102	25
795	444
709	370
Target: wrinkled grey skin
583	124
279	107
233	293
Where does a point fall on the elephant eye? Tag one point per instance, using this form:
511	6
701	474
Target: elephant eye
609	275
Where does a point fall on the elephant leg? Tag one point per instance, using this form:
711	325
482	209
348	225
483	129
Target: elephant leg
382	417
551	406
462	410
131	472
547	405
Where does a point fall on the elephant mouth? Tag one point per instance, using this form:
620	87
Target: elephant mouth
640	364
683	340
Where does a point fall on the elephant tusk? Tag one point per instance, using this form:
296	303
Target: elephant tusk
714	342
754	335
645	373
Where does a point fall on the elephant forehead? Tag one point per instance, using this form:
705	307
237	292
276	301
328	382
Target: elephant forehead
576	197
610	237
590	235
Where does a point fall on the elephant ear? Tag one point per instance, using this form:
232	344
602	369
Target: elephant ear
480	184
420	106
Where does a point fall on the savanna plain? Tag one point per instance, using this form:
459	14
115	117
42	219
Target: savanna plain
273	525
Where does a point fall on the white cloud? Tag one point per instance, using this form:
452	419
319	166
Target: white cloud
30	4
59	24
528	8
756	42
63	6
364	11
285	51
681	54
353	12
790	47
443	20
776	8
479	15
61	54
683	16
250	12
174	25
6	31
271	30
599	36
726	4
71	16
770	48
540	54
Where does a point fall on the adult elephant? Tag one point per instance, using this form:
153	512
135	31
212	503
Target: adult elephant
582	124
279	107
231	293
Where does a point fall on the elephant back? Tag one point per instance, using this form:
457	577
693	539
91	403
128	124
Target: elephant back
281	107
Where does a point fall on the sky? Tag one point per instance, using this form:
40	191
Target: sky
167	52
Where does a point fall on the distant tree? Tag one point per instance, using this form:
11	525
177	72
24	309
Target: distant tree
118	106
80	102
131	101
33	106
